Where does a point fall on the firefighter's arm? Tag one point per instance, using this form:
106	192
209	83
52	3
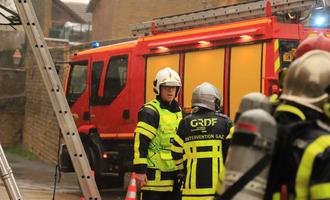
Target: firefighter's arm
319	183
177	147
313	177
145	131
229	135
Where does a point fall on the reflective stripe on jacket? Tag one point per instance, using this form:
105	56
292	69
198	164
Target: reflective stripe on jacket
159	151
152	142
198	149
303	163
286	108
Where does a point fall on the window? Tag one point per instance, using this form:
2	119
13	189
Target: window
115	80
97	68
77	81
287	49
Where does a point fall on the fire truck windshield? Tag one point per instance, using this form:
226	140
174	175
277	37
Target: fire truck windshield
77	81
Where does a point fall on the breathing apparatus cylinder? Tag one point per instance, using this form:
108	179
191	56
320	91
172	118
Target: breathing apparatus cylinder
252	145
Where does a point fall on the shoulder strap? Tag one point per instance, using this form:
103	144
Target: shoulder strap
291	109
152	105
246	178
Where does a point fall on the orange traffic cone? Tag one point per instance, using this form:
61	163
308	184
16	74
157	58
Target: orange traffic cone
131	190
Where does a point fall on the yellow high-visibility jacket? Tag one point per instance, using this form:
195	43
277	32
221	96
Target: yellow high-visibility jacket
156	128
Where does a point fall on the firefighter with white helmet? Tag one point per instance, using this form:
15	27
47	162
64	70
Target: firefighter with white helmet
287	111
157	124
200	144
300	168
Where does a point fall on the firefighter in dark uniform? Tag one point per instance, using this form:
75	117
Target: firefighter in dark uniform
288	112
301	166
157	124
200	143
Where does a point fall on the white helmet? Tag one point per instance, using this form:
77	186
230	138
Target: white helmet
167	77
307	80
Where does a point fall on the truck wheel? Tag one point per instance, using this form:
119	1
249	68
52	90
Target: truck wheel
90	156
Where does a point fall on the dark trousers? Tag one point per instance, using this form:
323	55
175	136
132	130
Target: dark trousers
155	195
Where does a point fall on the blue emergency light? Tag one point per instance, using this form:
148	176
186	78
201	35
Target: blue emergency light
96	44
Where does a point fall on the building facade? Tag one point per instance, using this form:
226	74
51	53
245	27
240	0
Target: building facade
70	21
111	18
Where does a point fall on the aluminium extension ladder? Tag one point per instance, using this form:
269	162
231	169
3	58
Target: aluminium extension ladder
56	94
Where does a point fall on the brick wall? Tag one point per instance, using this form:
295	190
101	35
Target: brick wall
12	85
41	130
111	18
43	9
12	101
12	82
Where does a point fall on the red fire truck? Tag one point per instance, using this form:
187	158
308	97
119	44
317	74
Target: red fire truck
107	86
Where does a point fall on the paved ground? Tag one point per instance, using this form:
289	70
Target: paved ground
35	180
